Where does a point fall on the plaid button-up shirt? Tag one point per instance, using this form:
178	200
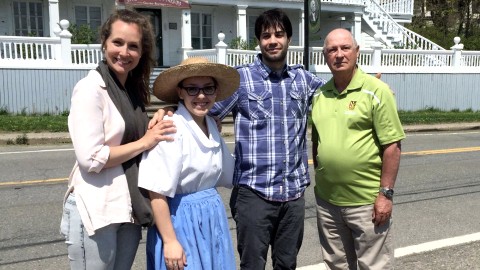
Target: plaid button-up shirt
270	113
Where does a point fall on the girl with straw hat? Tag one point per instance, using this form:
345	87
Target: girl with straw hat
191	229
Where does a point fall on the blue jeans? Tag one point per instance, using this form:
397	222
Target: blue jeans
111	247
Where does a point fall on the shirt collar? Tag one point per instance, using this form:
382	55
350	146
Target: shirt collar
212	140
355	84
266	72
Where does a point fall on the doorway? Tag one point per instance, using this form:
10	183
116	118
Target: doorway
155	16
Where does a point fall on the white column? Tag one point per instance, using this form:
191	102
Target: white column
186	32
221	48
457	52
54	16
377	51
242	22
66	43
301	29
357	28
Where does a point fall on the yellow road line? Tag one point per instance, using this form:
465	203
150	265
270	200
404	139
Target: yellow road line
310	162
29	182
433	152
443	151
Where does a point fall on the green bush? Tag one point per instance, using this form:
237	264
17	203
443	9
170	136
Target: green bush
241	44
82	34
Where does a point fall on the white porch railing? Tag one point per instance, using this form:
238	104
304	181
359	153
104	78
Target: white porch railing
58	51
210	54
13	48
377	56
31	52
470	59
83	54
345	2
398	7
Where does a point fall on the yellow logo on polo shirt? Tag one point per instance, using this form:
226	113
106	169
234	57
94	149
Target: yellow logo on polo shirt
352	104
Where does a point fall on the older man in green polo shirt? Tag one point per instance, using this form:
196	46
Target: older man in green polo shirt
356	146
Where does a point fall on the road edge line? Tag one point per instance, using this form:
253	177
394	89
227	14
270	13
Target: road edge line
416	249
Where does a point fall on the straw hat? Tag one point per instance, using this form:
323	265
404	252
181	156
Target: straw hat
165	85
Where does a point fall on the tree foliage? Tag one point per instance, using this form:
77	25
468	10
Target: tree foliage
442	20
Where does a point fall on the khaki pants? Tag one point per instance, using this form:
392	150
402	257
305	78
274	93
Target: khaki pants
350	240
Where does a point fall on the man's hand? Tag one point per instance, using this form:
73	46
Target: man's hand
218	121
382	210
379	76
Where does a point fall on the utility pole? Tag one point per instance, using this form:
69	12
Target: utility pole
311	27
306	36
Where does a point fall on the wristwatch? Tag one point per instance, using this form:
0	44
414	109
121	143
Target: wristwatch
387	192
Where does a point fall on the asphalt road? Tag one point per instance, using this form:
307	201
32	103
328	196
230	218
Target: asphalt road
437	197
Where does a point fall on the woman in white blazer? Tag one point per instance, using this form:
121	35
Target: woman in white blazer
104	209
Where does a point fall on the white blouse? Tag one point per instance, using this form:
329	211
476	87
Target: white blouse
190	163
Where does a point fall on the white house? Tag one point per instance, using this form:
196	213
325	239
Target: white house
182	25
35	44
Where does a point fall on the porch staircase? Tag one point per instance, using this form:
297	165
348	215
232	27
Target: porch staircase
392	34
155	103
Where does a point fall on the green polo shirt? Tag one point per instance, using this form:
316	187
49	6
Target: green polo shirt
351	128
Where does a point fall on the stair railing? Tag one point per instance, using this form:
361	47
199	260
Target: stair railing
409	39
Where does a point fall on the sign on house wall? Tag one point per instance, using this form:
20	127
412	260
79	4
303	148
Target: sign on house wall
157	3
314	19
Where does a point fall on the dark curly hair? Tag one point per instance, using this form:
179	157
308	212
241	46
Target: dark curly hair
273	18
139	78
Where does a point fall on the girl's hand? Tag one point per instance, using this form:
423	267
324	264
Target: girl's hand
174	256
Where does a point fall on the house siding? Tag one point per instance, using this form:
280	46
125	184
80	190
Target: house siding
49	90
38	90
445	91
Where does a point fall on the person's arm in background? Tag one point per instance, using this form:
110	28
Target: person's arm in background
390	164
224	107
313	85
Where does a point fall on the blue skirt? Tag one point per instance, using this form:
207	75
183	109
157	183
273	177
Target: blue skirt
201	226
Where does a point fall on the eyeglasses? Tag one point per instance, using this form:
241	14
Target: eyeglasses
207	90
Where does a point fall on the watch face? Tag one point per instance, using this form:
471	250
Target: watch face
387	192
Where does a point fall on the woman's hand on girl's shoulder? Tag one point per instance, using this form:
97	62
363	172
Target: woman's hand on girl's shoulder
160	114
161	131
